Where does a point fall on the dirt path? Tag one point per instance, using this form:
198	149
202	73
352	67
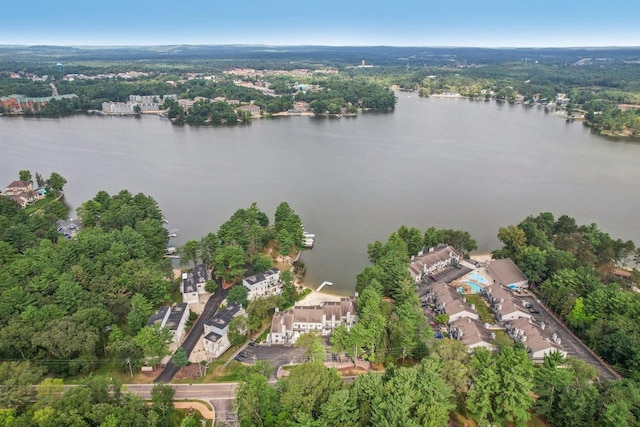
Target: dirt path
206	410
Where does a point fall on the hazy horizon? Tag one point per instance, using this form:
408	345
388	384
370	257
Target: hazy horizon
461	23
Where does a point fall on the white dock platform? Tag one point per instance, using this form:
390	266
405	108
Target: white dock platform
323	285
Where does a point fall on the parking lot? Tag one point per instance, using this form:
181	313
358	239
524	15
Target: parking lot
278	355
573	346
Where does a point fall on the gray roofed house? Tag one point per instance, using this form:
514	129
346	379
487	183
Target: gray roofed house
503	304
177	320
507	274
160	316
263	284
216	340
534	338
219	323
193	283
448	300
472	333
424	264
287	326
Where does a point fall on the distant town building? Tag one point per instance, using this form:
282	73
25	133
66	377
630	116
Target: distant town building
253	109
16	104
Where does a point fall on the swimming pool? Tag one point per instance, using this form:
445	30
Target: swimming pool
475	288
478	278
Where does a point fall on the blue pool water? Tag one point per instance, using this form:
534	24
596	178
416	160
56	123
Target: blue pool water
475	288
478	278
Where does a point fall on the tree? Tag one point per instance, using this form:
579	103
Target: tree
308	388
137	109
261	262
40	182
162	398
533	263
180	358
189	252
16	380
512	237
56	182
24	175
238	330
211	286
154	342
141	309
238	293
311	342
228	263
256	402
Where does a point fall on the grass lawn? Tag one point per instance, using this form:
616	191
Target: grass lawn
107	370
481	307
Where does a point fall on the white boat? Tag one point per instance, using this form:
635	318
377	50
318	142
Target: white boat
309	236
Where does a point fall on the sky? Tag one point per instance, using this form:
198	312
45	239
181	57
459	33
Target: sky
477	23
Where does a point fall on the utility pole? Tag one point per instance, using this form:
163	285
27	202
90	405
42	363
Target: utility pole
130	369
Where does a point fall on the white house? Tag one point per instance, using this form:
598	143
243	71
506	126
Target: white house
173	318
533	337
287	326
193	283
423	265
264	284
216	340
507	274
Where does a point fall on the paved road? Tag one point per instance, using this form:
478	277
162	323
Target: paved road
192	339
571	343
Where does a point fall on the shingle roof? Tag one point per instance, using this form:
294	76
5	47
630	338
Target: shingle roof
222	318
506	271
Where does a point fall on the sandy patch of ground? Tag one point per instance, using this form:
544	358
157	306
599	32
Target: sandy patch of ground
316	298
206	411
481	257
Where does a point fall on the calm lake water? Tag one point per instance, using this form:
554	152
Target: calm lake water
433	162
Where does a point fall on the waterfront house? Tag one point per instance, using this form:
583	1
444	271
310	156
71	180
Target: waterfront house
262	285
193	283
253	109
425	264
287	326
507	274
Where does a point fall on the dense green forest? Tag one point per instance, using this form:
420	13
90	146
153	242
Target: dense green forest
573	268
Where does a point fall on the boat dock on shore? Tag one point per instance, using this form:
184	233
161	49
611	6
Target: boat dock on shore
323	285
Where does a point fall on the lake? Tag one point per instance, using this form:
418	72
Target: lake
447	163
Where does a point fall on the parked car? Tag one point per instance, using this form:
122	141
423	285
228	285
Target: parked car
253	344
239	358
533	311
242	354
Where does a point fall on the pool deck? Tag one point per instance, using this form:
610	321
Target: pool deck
470	277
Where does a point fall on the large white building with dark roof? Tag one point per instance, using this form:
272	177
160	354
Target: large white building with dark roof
425	264
193	283
216	340
262	285
173	318
287	326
